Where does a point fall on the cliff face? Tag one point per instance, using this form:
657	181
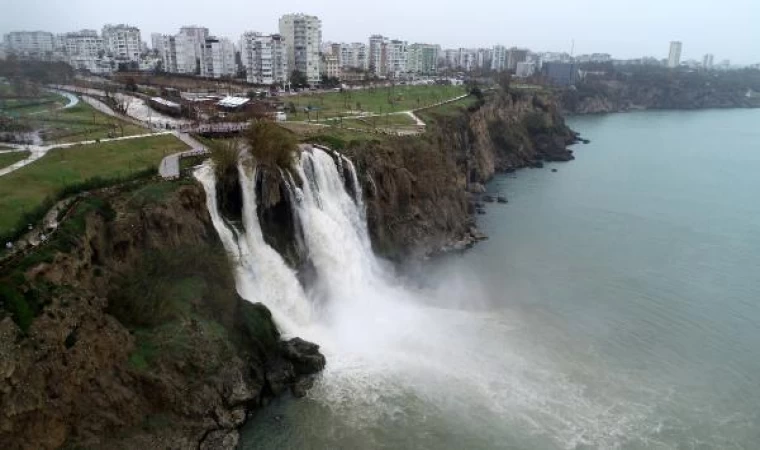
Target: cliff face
125	331
420	191
674	92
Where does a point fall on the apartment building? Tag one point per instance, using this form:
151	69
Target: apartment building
499	58
330	66
122	42
218	58
422	59
264	58
84	50
483	58
514	56
378	55
397	58
302	35
30	44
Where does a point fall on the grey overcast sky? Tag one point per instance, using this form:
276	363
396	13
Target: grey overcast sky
730	29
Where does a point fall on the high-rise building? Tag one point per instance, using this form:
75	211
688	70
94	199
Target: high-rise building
499	58
157	42
378	55
30	44
302	35
483	58
218	58
84	50
708	61
352	56
674	58
397	55
466	59
422	59
122	42
264	58
514	56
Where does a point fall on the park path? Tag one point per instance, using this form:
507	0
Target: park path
169	168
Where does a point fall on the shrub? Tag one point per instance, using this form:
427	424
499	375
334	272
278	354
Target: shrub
270	144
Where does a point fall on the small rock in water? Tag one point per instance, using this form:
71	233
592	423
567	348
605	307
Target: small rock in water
554	170
488	199
481	211
502	199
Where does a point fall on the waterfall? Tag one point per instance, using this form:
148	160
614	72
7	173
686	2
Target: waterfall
260	272
399	356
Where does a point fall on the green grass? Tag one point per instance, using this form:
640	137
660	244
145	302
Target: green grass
376	100
6	159
19	107
82	123
448	110
21	191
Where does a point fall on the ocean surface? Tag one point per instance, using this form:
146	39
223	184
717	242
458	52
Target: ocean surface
616	305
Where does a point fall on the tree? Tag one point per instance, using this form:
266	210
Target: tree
504	79
298	78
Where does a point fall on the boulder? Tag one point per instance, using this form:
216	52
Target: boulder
301	386
279	375
304	356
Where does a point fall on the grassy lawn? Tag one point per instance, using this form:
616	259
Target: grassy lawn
6	159
448	110
22	190
22	106
82	123
374	100
402	121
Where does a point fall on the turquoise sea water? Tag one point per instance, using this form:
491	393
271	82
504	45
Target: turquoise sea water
616	305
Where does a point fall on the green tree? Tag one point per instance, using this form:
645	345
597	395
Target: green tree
298	78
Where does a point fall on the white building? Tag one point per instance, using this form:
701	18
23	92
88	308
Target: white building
466	59
708	61
525	69
157	43
264	58
499	58
422	59
330	66
122	42
85	50
353	56
218	58
483	58
184	52
30	44
674	58
302	35
396	62
378	55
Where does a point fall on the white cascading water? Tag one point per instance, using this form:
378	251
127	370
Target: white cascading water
391	356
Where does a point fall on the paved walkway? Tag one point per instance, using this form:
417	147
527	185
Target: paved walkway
170	168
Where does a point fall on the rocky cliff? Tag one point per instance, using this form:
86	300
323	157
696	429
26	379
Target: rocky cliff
658	89
421	192
125	331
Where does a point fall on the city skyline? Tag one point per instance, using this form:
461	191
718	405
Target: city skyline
602	32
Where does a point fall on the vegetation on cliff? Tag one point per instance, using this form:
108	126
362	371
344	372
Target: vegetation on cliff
612	89
125	330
